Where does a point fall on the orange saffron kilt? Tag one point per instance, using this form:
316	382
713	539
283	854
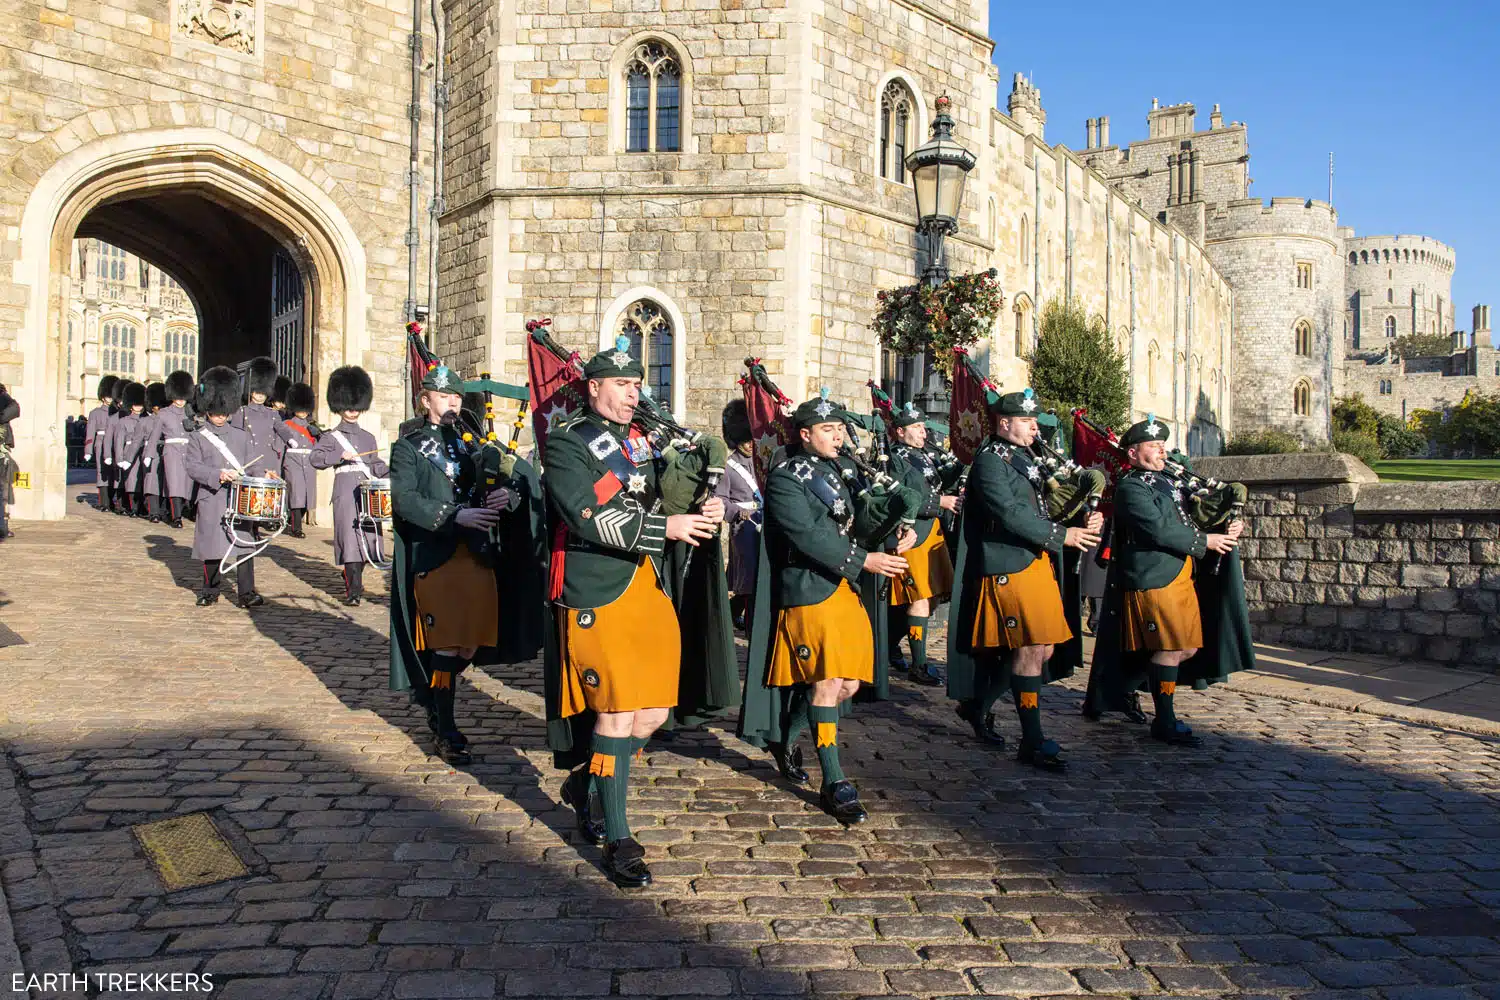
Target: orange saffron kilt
625	655
1165	618
929	571
1020	609
457	604
816	642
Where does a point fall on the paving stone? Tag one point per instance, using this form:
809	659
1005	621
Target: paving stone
449	984
1023	981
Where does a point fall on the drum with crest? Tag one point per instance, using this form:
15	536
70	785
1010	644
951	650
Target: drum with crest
374	500
257	501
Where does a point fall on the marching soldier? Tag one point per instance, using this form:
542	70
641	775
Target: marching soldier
347	450
259	421
156	401
296	464
96	441
1152	606
172	434
813	645
217	454
111	425
619	646
129	447
1010	613
929	572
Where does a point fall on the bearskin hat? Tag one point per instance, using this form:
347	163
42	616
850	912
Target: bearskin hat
134	394
736	423
350	388
117	391
278	394
218	391
300	398
107	388
156	395
261	377
179	386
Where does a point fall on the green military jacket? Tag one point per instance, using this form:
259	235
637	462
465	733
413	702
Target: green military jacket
1005	519
607	493
1153	533
808	518
432	473
917	468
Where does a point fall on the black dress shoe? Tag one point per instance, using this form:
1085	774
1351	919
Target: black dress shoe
450	752
1132	712
352	601
928	676
297	534
204	600
154	519
841	801
1179	734
1047	757
788	762
625	864
176	522
252	600
575	795
984	728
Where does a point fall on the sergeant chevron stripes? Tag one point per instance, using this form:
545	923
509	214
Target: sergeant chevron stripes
609	523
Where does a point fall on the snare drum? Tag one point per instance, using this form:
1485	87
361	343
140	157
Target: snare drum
375	499
260	501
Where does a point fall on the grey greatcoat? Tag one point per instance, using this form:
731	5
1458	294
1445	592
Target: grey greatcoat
96	443
111	424
172	438
329	454
204	462
131	433
259	423
742	510
296	464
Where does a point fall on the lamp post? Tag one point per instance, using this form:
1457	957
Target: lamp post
939	168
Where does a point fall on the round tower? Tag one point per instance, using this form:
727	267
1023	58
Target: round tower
1397	286
1285	263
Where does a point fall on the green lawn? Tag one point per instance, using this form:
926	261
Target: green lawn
1438	470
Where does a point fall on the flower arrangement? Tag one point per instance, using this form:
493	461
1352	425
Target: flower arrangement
955	314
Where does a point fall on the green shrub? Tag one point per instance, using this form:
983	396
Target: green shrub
1398	440
1263	443
1364	447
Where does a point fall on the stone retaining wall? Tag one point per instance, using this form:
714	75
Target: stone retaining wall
1336	560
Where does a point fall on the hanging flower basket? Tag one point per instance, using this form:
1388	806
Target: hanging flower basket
957	313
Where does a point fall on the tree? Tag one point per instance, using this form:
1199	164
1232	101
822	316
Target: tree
1075	363
1473	427
1423	345
1352	413
1398	440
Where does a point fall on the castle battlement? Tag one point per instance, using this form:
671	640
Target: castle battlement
1279	217
1401	249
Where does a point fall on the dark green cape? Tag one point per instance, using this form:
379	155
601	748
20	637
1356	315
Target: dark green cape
520	578
875	595
1227	644
709	683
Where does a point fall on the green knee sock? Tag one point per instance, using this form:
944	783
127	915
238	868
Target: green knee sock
797	721
610	768
995	684
1027	692
825	719
1163	689
895	631
916	635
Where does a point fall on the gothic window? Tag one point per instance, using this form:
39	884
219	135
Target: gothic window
1302	399
896	114
653	100
649	329
1390	326
1023	326
1025	241
1385	387
1304	274
1153	355
1390	295
1303	338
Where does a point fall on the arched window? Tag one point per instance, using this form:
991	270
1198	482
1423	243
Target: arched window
1303	338
1364	256
1390	326
1390	296
991	231
653	100
1023	326
1302	399
1153	355
1353	257
1025	241
896	117
650	328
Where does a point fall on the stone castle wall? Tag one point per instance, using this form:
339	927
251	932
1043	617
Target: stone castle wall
1407	278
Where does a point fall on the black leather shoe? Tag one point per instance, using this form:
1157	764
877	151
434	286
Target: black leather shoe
625	864
575	795
928	676
1133	712
204	600
841	801
297	534
352	601
984	729
1047	757
176	522
450	752
1180	734
252	600
788	762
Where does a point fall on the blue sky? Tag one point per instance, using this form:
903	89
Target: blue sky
1406	96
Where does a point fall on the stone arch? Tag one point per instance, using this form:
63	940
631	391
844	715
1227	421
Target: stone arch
619	62
1302	338
1021	310
99	163
918	135
1153	355
610	325
1302	398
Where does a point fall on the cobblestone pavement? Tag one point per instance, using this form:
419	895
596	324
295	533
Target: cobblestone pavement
1303	851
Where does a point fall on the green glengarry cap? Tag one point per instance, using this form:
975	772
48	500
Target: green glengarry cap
907	415
1149	429
615	363
1016	404
441	378
821	410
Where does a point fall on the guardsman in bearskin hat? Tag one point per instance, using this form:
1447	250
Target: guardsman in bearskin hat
96	440
277	400
131	431
1010	612
156	401
172	435
811	645
619	645
259	421
296	462
111	425
349	450
218	453
742	509
928	579
1152	615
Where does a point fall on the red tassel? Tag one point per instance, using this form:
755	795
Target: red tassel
559	552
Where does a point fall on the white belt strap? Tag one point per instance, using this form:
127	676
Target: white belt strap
298	451
749	480
176	440
359	463
224	450
98	434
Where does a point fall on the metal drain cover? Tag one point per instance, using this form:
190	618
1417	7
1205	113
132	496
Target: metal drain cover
188	851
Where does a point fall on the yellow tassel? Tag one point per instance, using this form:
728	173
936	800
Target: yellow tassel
602	765
828	734
442	680
468	438
1029	699
1167	687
